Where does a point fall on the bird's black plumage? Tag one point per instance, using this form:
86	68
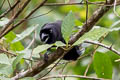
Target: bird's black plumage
51	32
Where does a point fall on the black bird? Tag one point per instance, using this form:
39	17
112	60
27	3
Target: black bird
51	32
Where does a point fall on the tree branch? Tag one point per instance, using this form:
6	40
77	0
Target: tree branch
105	46
75	76
89	3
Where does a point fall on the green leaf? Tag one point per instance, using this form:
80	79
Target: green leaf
17	60
25	33
28	78
13	46
6	70
27	53
78	23
10	36
16	46
113	57
102	65
92	35
4	59
41	48
67	26
22	65
59	43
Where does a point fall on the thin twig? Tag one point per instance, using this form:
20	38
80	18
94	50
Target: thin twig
75	76
32	42
51	69
9	3
40	15
34	10
36	16
64	67
86	11
20	75
105	46
89	3
10	9
4	51
114	9
63	4
2	4
93	52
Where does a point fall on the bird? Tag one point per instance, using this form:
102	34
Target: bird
51	32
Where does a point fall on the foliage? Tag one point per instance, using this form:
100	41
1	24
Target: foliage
67	26
21	52
103	65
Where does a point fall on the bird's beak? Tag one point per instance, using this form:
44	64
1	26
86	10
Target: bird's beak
44	37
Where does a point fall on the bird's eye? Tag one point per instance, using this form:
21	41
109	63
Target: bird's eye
42	35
